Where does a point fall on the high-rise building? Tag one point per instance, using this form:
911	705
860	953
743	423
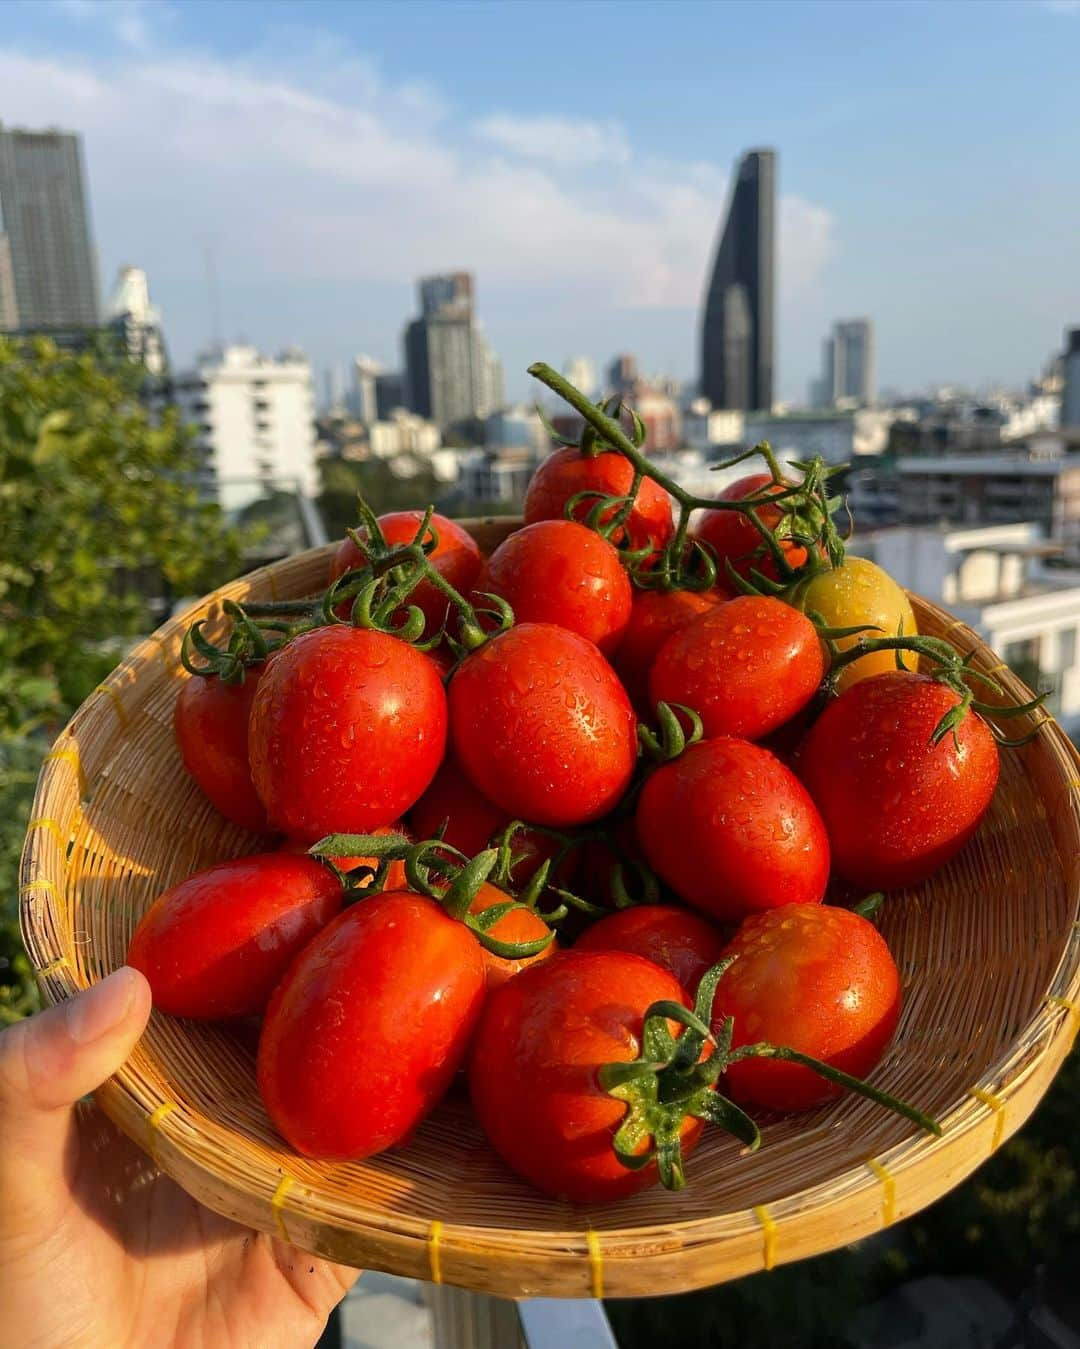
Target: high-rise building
581	373
1070	392
449	293
389	393
623	374
136	321
737	321
365	398
848	373
43	213
9	312
254	419
451	373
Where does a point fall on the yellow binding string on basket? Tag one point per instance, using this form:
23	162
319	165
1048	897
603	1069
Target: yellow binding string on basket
42	883
1055	1000
69	754
888	1190
596	1262
61	962
43	822
768	1230
997	1105
995	668
162	650
121	714
433	1254
273	584
153	1122
277	1199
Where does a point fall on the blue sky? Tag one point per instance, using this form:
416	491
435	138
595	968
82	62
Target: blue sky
576	156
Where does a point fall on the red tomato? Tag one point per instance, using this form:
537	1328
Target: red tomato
216	944
395	875
518	925
732	830
567	472
348	727
472	822
817	979
367	1029
733	536
210	721
557	571
897	807
542	726
745	667
655	615
457	557
675	939
533	1070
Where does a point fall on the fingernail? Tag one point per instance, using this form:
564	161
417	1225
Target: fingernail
94	1013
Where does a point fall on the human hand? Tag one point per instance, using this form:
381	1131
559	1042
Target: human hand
99	1249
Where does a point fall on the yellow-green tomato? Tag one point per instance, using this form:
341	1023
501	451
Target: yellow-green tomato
860	592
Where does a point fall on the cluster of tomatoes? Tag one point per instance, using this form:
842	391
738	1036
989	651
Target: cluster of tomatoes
486	863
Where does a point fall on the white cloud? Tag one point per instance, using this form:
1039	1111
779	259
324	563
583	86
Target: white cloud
1060	6
561	141
129	21
304	164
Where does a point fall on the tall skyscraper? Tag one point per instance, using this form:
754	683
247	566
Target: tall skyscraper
43	213
848	372
1070	393
451	373
737	322
581	373
136	321
623	373
365	399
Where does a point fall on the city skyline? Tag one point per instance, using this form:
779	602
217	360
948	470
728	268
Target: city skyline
323	170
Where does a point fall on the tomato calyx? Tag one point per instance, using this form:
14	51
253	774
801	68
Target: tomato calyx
362	881
247	645
670	1082
670	738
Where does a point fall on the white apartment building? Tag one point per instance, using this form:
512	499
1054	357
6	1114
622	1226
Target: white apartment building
254	418
705	427
999	581
835	435
403	433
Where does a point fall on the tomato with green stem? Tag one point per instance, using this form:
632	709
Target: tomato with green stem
456	556
732	831
347	730
557	571
817	979
733	536
746	667
542	726
215	945
859	593
395	875
898	800
567	472
210	722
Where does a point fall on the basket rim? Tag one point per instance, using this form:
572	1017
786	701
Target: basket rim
995	1106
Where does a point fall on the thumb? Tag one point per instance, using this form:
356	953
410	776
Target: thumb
48	1061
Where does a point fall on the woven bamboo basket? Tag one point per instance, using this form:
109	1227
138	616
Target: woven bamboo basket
988	949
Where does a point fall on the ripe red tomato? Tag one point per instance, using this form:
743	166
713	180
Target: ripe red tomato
472	822
542	726
733	537
746	667
348	727
216	945
457	557
817	979
210	721
655	615
732	830
567	472
896	806
519	925
533	1070
367	1029
675	939
559	572
395	874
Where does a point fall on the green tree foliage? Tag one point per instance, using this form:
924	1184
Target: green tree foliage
99	518
341	479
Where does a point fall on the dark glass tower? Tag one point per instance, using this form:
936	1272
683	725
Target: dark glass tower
737	322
